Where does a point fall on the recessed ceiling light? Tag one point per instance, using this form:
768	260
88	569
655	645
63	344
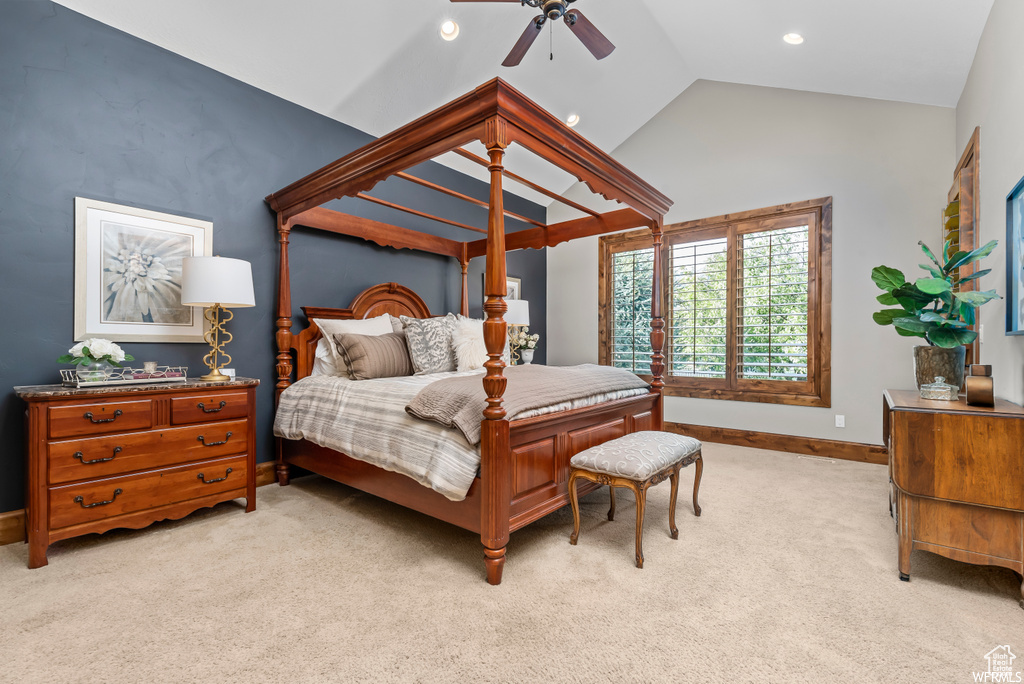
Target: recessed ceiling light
793	38
449	30
572	120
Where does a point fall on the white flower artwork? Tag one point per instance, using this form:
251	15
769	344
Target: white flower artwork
128	273
142	276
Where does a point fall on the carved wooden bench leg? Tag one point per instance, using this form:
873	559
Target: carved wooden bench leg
699	464
574	500
641	503
611	509
674	479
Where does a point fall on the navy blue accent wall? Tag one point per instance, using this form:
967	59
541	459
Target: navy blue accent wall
87	110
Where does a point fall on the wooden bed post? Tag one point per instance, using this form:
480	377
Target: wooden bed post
464	262
658	329
495	468
283	336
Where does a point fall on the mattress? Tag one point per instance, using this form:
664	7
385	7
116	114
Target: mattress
367	420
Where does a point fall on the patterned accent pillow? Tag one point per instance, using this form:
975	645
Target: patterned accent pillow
639	455
430	343
374	356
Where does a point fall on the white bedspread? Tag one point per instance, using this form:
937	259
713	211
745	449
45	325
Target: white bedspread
367	420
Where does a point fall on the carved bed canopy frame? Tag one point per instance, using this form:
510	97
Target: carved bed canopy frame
497	115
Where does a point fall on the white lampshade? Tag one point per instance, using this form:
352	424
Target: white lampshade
206	281
518	312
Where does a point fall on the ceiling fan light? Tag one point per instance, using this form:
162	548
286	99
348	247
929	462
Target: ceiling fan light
572	120
793	38
449	30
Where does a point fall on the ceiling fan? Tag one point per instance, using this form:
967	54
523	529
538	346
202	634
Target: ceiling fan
588	34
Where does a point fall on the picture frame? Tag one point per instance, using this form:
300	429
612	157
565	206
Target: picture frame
514	286
1015	260
128	273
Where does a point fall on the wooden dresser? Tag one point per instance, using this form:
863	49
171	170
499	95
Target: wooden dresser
111	457
957	475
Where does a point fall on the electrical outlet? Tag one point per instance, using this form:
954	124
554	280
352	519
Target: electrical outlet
840	420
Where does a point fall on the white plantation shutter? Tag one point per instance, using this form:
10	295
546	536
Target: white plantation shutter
772	314
698	287
747	304
632	276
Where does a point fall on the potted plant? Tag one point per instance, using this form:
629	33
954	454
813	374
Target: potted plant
934	308
95	358
524	344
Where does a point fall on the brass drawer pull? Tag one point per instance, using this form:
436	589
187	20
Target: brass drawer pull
205	443
81	502
202	406
79	456
103	420
219	479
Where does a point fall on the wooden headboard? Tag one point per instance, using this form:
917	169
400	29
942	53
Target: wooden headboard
386	298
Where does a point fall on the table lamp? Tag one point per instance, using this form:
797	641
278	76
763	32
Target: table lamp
218	284
517	316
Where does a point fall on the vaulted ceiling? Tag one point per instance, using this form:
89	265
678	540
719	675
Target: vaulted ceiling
378	64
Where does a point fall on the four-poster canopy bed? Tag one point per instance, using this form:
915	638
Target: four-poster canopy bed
524	464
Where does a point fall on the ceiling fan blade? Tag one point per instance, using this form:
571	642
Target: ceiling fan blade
588	34
524	42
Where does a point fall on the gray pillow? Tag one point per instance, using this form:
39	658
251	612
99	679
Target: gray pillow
430	343
374	356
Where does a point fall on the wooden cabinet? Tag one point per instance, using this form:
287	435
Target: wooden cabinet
957	479
110	457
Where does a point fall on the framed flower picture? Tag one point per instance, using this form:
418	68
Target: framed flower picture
1015	260
128	273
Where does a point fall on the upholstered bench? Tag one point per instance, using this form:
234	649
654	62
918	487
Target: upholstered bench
637	461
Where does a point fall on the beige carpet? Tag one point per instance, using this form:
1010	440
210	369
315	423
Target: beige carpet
789	576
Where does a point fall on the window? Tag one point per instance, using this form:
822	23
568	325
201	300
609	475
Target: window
747	310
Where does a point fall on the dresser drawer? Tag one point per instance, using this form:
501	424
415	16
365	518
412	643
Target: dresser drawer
200	408
78	459
81	503
100	418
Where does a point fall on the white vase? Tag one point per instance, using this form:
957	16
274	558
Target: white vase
527	355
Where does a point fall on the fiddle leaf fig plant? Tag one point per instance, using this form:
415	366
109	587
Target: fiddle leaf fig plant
932	307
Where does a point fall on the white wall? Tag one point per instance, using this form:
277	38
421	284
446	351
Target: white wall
994	100
721	148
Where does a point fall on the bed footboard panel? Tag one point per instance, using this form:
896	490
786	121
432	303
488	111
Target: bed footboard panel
541	449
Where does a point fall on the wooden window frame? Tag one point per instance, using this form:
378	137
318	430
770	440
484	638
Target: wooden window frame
817	214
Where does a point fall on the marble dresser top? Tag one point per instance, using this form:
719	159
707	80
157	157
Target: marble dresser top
50	391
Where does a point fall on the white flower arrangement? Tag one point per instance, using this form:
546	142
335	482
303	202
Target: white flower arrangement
521	339
95	349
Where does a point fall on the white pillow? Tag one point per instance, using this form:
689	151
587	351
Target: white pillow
329	327
468	344
323	362
470	358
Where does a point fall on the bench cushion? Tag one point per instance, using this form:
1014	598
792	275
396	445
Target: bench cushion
638	456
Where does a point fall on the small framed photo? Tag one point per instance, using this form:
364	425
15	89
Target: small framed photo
1015	260
128	273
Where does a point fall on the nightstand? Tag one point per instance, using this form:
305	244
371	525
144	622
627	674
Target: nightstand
108	457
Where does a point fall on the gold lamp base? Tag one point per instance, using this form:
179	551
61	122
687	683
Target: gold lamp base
217	337
215	376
